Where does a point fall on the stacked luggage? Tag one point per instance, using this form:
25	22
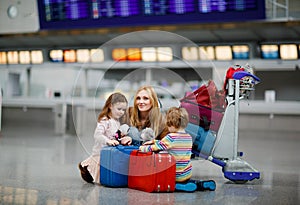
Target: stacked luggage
206	106
126	166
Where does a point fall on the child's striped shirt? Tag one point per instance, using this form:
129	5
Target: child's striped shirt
179	145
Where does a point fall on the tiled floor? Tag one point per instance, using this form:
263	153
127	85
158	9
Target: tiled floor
37	167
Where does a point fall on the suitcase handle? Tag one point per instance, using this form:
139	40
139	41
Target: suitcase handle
145	154
122	147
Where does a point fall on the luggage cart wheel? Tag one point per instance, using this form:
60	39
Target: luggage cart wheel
241	177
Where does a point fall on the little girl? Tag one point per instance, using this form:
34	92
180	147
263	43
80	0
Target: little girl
179	144
108	124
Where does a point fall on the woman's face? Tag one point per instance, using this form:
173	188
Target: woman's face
143	101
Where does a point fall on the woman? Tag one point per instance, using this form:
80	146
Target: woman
146	113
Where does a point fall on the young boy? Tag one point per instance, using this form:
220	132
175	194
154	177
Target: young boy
179	144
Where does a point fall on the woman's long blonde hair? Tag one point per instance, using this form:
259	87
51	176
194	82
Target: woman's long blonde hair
155	120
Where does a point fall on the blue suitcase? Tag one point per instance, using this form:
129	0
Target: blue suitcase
114	163
203	141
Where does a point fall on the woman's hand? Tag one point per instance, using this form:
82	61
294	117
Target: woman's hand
126	140
112	142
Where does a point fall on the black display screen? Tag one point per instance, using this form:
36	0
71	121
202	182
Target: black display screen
56	14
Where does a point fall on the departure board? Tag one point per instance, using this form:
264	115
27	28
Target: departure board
55	14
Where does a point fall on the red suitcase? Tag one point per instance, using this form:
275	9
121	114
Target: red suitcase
152	172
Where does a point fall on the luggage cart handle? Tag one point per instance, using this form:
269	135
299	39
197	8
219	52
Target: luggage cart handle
241	74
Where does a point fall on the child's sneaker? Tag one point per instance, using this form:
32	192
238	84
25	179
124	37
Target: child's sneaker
186	187
209	185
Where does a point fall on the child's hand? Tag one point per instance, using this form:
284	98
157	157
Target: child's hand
112	142
126	140
148	142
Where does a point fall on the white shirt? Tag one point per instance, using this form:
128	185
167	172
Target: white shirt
105	130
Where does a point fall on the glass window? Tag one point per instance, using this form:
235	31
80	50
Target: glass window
56	55
37	57
223	53
240	51
269	51
12	57
164	54
207	53
189	53
3	57
24	57
69	56
82	55
149	54
119	54
288	52
134	54
97	55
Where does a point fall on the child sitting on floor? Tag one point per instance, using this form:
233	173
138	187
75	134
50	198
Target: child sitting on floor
108	132
179	144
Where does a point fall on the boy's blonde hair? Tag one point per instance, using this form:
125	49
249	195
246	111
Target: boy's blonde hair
177	117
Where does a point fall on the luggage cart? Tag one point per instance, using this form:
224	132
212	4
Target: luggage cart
224	151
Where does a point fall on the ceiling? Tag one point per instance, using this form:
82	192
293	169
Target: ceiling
255	31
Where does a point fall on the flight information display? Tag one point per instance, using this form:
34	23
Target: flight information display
55	14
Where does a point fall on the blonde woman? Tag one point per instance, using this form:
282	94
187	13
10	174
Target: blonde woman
146	113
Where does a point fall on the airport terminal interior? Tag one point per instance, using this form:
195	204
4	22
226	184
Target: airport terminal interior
59	61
